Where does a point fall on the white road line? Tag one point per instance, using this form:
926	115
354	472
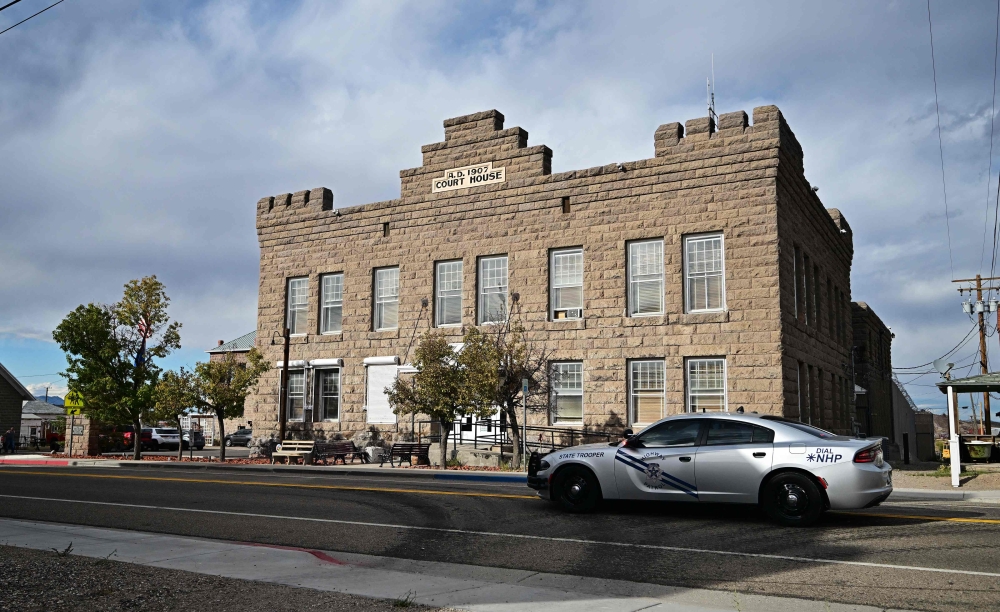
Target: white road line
516	536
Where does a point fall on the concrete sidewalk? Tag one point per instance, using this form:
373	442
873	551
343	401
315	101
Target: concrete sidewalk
465	587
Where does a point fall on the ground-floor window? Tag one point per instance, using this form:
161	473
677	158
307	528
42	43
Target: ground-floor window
567	392
706	384
647	386
296	396
328	394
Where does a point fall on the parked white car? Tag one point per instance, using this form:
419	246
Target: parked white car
165	438
792	470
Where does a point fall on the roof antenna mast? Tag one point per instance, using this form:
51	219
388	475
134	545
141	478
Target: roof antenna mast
710	92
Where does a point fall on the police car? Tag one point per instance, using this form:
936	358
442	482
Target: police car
792	470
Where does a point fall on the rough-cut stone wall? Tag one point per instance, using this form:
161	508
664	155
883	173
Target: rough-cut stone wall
701	179
873	371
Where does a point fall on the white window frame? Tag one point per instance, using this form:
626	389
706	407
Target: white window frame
648	277
554	416
633	394
329	299
484	290
556	282
689	393
721	273
387	297
301	394
319	372
296	305
439	292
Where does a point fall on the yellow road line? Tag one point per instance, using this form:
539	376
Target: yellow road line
275	484
917	517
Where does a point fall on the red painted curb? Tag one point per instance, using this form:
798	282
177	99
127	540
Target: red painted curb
322	556
34	462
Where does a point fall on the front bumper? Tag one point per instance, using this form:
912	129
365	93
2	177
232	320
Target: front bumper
539	483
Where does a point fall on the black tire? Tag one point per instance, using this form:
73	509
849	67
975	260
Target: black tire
792	499
155	446
229	442
576	489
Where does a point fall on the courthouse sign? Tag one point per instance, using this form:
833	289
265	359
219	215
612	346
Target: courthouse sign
468	176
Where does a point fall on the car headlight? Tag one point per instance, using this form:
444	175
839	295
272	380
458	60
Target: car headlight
544	465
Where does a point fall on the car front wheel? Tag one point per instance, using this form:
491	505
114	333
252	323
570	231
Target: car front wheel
576	489
229	442
792	499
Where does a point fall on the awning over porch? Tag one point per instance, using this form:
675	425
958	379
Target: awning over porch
973	384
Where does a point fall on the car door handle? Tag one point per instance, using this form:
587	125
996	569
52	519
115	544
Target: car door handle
685	459
760	455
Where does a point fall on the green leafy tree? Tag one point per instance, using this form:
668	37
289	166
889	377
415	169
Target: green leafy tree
495	359
112	351
437	389
223	387
175	395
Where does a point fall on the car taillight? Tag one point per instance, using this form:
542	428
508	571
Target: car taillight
866	455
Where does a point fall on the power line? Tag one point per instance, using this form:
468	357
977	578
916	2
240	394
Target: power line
937	110
9	4
960	344
60	2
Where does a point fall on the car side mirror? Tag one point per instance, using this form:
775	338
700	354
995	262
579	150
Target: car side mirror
628	433
633	442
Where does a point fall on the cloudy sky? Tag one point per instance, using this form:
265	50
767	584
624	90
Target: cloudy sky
137	136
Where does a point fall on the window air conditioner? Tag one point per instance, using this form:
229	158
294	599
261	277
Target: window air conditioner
569	313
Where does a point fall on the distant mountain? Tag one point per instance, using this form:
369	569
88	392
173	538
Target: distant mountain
54	400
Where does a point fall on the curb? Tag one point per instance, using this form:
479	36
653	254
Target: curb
520	478
933	495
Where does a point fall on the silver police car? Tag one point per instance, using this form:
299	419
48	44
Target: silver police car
792	470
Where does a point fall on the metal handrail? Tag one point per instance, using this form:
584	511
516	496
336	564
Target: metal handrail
487	433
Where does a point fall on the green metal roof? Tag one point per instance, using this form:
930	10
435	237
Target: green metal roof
972	384
240	345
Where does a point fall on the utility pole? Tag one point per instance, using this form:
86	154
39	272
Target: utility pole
981	308
283	400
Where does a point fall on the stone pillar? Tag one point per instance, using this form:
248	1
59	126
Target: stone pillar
81	436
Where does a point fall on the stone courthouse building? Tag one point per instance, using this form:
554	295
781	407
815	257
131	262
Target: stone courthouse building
706	277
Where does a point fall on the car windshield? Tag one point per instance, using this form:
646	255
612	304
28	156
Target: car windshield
809	429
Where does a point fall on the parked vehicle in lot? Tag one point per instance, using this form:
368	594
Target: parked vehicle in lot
196	435
160	437
793	471
145	438
240	437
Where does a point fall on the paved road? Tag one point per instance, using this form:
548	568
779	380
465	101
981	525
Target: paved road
879	557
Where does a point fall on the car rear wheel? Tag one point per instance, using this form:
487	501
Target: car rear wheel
229	442
576	489
792	499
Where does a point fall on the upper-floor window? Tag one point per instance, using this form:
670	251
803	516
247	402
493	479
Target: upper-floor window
332	303
492	289
567	392
298	305
645	277
647	400
704	273
706	384
386	298
448	298
566	273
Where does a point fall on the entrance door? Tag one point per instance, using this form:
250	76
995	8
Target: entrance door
733	460
659	462
377	402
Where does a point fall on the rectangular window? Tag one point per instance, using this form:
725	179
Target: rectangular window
567	393
829	308
800	384
704	273
298	305
492	289
328	394
706	384
821	400
647	386
448	299
816	308
332	303
386	298
566	292
806	290
795	277
294	405
645	278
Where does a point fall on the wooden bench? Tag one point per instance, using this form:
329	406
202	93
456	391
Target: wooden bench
341	449
406	450
301	449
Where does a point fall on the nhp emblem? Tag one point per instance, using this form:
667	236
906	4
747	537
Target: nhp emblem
653	475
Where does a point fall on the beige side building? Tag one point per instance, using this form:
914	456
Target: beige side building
708	276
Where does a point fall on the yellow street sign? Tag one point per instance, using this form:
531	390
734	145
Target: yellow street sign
72	411
73	402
